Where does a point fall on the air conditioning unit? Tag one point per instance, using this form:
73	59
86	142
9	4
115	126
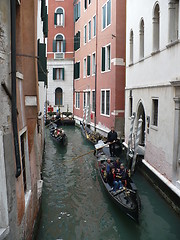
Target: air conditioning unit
58	55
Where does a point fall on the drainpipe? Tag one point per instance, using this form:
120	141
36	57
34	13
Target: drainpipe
13	86
95	114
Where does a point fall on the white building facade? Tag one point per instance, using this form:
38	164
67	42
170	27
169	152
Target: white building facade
153	83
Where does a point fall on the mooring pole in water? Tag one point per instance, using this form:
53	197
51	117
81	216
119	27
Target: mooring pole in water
137	140
130	135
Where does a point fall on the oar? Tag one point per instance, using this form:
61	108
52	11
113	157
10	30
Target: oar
52	122
91	151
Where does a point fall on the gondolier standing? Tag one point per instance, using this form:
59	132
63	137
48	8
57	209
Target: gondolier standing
112	137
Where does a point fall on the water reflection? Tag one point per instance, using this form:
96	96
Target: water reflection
75	205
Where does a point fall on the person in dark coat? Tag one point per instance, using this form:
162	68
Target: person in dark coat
112	138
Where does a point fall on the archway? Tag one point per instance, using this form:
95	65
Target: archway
141	114
58	96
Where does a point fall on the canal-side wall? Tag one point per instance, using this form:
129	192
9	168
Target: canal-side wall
161	184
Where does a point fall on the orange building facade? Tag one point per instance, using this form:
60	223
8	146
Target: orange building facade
99	70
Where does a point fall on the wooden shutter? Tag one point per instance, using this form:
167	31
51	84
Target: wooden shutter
54	73
64	45
54	45
55	18
103	59
88	65
62	73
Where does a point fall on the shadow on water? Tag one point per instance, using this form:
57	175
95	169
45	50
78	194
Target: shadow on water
75	205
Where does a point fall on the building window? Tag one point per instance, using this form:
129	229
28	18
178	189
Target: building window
23	159
84	68
77	41
94	26
106	58
89	36
105	102
93	100
59	44
77	70
89	2
84	99
85	34
131	40
173	20
155	112
106	14
77	11
88	65
77	105
85	4
59	17
141	39
93	63
58	73
156	28
130	106
59	97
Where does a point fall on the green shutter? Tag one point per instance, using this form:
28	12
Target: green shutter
78	39
45	23
42	62
75	43
54	45
74	13
75	71
42	9
103	59
55	18
64	45
88	65
62	73
108	12
78	70
54	73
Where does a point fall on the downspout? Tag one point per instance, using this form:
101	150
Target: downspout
13	86
95	113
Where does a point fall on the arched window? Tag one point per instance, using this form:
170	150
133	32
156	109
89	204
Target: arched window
59	17
59	43
141	39
131	47
58	96
173	20
156	28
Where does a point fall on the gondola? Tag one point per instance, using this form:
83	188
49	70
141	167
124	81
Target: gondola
90	135
127	199
58	135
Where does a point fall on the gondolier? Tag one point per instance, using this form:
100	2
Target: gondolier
112	138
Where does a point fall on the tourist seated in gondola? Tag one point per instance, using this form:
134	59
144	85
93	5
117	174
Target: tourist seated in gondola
117	165
108	166
113	181
123	174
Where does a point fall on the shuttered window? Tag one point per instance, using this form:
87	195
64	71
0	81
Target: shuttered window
89	37
58	73
59	44
93	101
77	11
88	65
77	41
42	62
59	17
77	70
106	14
77	105
94	26
103	60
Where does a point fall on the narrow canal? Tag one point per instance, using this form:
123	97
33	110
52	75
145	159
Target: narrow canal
76	207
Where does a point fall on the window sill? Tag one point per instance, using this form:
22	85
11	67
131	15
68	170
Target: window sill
171	44
106	71
154	127
141	60
104	115
4	232
155	52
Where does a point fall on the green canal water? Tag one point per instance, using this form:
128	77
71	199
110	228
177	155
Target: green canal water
76	207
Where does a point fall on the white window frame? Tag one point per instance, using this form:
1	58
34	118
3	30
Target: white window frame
85	34
106	14
63	17
93	65
94	26
104	114
59	69
89	32
106	59
152	114
93	91
77	100
85	67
